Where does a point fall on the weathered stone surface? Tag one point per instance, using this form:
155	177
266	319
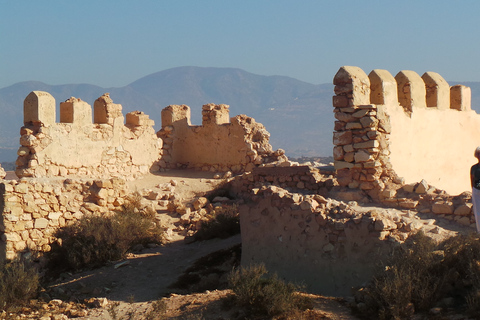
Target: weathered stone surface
422	187
463	210
442	208
41	223
342	138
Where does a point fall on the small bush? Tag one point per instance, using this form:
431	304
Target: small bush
265	295
207	273
19	282
94	240
421	274
224	224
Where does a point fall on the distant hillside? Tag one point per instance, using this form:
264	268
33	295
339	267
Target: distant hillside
297	114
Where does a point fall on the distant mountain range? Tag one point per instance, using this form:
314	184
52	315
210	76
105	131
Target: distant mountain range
297	114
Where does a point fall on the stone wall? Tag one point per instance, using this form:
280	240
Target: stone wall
219	144
108	147
34	208
330	245
402	129
298	178
313	240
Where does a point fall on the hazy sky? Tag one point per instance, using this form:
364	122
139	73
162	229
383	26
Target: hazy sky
113	43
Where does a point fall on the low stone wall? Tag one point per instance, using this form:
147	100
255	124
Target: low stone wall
300	178
32	209
318	241
219	144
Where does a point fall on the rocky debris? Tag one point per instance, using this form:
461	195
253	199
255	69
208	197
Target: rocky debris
57	309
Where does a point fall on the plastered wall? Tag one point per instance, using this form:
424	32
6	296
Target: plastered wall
219	144
76	146
406	126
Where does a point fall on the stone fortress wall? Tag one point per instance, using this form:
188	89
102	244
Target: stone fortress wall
220	144
76	146
406	126
391	136
78	167
289	221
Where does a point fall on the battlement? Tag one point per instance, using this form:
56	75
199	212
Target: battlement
403	127
77	146
219	144
212	114
353	87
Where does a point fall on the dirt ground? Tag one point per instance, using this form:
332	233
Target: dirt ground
138	287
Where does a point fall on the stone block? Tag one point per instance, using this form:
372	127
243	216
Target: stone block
460	98
383	87
437	91
463	210
442	208
41	223
363	156
76	111
422	187
342	138
343	165
340	101
382	224
105	111
411	90
367	144
138	118
39	106
356	82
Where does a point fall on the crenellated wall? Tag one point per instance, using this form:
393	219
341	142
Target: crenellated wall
407	126
77	147
219	144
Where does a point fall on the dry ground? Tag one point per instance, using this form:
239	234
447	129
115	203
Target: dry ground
135	285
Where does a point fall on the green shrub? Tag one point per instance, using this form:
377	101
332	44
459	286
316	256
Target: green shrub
19	282
265	295
224	223
94	240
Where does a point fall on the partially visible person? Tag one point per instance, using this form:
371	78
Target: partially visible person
475	181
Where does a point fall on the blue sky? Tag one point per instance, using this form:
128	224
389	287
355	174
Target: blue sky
113	43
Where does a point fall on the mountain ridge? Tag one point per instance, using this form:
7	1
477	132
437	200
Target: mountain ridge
297	114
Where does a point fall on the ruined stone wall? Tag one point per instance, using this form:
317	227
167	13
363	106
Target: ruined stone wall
402	129
34	208
299	178
316	241
330	245
77	147
219	144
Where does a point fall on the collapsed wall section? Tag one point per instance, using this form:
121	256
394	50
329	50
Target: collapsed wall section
319	242
77	147
219	144
402	129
